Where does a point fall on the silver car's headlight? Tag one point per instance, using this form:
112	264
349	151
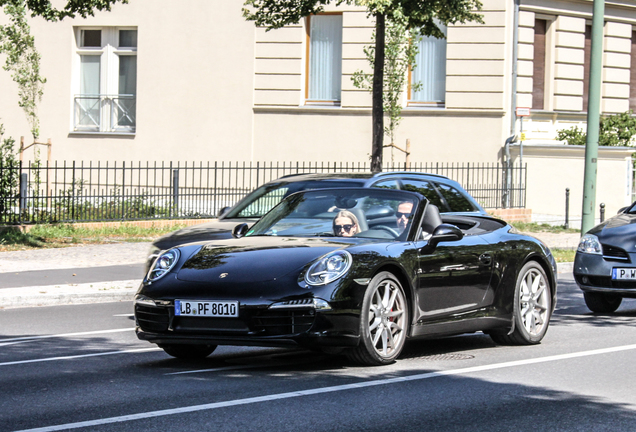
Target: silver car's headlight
163	264
589	244
328	268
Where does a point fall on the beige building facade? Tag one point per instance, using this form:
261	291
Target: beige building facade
160	80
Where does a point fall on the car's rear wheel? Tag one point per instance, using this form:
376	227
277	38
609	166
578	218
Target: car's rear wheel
383	322
602	302
188	352
532	308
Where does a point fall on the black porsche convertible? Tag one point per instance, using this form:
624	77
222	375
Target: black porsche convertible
353	270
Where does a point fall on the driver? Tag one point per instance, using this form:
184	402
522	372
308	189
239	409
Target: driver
345	224
403	214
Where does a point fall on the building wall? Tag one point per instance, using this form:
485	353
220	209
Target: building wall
212	87
194	84
554	168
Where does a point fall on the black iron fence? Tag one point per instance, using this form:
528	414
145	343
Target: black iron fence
78	192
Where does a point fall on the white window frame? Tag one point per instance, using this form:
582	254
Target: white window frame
109	53
336	70
432	101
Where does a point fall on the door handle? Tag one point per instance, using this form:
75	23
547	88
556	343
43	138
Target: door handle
485	259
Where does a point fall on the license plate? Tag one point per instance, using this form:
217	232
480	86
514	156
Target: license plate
624	273
206	308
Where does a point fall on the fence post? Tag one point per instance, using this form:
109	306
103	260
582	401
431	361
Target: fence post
24	183
602	212
175	193
567	208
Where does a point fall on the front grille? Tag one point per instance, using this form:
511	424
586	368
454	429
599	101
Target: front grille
612	253
275	322
209	324
152	319
259	322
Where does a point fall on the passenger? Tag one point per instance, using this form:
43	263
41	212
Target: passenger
345	224
403	214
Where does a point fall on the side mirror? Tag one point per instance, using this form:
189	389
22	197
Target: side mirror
222	211
622	210
240	230
443	232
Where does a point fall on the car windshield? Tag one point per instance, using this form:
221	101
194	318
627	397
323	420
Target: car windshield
263	199
355	212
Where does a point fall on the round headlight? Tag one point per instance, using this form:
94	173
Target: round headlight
163	264
589	244
328	268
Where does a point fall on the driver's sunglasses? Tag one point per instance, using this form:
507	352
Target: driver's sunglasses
347	227
400	215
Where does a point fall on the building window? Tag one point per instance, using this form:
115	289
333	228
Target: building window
105	96
539	64
324	58
632	75
430	71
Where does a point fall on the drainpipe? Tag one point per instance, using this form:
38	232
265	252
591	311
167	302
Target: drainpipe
508	180
513	105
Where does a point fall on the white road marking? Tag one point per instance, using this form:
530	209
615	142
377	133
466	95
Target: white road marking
12	341
323	390
219	369
71	357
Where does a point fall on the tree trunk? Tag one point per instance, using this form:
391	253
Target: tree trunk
378	86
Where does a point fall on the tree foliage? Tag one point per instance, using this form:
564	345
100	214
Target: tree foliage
8	172
17	43
415	14
71	8
400	51
23	62
614	130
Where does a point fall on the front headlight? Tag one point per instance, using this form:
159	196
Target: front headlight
163	265
589	244
328	268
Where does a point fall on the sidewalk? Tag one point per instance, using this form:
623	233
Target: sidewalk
119	254
77	257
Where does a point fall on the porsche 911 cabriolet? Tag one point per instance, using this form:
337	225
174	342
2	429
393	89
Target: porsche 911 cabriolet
352	270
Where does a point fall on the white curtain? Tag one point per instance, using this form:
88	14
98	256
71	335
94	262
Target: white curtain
88	113
430	69
89	75
325	57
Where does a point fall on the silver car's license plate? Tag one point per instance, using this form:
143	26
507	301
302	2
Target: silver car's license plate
206	308
623	273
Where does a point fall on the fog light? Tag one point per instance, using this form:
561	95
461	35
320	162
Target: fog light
585	280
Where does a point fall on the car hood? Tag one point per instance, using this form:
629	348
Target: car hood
253	259
218	229
618	231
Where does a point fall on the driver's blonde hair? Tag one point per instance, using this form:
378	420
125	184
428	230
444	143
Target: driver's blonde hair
347	214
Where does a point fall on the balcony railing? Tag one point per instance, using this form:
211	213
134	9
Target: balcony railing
105	113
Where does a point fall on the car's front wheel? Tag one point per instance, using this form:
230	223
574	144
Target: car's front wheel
602	302
383	322
532	308
188	352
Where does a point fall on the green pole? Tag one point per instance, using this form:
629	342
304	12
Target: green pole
593	117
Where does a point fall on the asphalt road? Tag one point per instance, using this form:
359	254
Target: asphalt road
71	276
81	368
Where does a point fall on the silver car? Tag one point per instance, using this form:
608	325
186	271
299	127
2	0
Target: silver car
605	262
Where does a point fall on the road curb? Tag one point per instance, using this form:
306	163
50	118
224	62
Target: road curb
566	267
53	295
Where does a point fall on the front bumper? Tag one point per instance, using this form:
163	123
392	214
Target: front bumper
593	273
257	325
